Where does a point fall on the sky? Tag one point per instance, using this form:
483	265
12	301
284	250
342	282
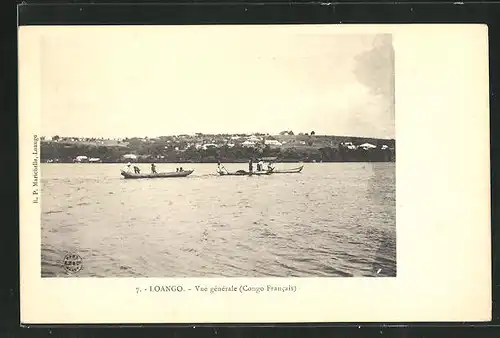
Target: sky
147	81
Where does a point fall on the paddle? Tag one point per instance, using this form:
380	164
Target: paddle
222	167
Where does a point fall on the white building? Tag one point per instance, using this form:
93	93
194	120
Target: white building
349	145
130	157
254	138
81	159
209	146
367	146
248	144
273	143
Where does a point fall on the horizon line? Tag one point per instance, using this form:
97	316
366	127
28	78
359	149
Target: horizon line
213	134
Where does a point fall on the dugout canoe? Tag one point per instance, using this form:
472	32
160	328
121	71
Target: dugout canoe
288	171
172	174
244	173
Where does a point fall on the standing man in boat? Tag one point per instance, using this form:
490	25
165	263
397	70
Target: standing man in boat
153	168
137	170
250	166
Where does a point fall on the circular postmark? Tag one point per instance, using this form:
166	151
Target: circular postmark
72	263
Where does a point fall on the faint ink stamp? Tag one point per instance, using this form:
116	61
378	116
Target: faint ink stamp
72	263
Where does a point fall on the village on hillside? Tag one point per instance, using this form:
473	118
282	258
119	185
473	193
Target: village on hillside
286	146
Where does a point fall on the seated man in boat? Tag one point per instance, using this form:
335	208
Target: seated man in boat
180	169
153	168
270	166
128	168
260	166
137	170
221	168
176	170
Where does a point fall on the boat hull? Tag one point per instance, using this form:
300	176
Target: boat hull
245	173
258	173
173	174
289	171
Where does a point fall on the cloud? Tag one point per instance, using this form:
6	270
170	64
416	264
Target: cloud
375	69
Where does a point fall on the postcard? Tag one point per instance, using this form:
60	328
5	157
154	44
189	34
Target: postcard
248	174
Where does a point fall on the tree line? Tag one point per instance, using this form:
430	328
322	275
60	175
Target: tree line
66	153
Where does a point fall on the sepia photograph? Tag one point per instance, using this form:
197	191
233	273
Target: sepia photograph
227	156
249	173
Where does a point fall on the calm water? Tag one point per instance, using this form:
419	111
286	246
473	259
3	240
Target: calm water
333	219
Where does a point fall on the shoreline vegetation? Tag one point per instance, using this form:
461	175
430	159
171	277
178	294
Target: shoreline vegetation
210	148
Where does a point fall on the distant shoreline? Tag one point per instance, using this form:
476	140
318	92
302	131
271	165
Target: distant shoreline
240	162
226	149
